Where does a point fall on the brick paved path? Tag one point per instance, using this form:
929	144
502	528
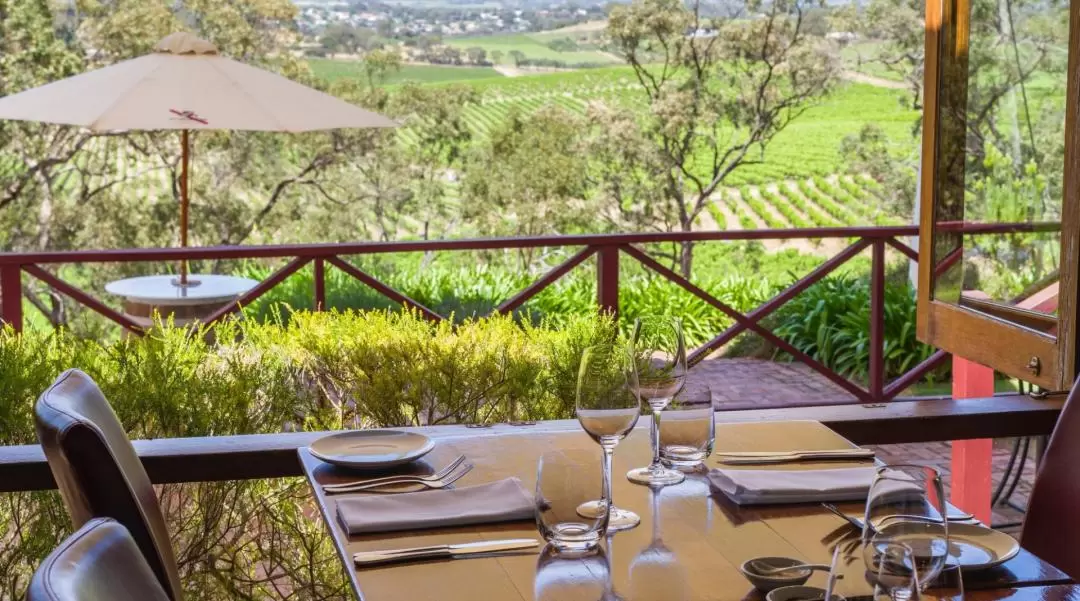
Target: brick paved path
754	383
758	384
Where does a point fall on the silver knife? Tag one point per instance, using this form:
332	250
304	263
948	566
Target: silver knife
461	550
821	453
764	458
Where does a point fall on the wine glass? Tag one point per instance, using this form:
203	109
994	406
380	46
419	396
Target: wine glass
660	361
607	407
905	508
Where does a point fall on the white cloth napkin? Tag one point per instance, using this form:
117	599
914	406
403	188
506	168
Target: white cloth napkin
502	501
760	487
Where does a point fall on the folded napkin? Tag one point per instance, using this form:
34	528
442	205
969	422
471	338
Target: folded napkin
759	487
502	501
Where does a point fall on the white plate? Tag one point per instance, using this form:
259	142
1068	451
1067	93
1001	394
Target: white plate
372	449
977	547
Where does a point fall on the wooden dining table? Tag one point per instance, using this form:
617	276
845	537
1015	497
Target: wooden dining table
689	545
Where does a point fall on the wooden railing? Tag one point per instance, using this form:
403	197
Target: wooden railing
607	248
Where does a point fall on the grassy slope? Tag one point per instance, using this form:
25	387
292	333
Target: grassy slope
331	69
531	47
809	146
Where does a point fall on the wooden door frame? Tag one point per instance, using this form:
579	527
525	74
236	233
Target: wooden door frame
1004	346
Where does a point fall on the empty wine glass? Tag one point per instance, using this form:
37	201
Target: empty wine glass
563	482
905	508
607	408
660	360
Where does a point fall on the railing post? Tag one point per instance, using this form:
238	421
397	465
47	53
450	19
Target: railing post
320	284
11	296
607	279
877	322
972	467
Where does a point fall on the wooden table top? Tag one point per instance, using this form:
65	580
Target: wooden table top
688	546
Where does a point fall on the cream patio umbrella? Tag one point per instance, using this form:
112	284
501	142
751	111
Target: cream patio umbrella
186	85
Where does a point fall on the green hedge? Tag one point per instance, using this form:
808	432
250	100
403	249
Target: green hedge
319	371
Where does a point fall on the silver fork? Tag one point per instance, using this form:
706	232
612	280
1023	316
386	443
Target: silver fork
418	484
439	475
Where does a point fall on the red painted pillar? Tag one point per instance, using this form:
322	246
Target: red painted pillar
971	459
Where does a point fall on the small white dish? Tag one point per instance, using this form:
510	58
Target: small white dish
372	449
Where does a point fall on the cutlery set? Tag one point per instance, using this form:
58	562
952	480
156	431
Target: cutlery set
443	551
961	518
404	482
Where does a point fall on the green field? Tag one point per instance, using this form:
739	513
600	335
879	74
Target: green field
532	47
808	147
332	69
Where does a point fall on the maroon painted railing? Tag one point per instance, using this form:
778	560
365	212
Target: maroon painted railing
608	249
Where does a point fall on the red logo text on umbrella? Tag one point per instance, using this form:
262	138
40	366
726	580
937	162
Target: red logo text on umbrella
189	116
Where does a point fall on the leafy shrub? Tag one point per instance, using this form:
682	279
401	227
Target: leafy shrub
256	539
469	292
830	321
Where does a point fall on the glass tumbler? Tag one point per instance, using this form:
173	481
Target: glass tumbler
688	430
564	481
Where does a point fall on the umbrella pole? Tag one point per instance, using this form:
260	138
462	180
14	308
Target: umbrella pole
185	158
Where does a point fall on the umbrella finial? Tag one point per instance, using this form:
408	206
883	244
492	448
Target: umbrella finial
182	42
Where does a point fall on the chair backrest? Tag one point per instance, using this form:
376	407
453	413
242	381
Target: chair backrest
1052	525
100	562
98	472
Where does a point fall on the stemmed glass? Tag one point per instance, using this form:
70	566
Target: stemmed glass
607	407
905	533
660	359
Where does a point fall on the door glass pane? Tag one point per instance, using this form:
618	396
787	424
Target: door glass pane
1001	158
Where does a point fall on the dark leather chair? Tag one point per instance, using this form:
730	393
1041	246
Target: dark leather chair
100	562
1052	526
98	472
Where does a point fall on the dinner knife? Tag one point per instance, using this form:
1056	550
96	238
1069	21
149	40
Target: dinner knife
435	551
750	458
821	453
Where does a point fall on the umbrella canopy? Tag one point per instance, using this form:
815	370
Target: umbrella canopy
185	84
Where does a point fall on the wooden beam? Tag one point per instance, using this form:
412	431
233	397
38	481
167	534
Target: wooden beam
257	456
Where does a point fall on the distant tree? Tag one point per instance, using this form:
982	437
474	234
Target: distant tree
477	55
379	65
451	55
496	56
517	56
343	38
385	28
718	90
529	177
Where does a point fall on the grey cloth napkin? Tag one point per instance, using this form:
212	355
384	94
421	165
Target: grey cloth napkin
759	487
502	501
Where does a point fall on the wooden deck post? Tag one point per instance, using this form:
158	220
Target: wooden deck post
320	284
11	297
971	459
607	279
